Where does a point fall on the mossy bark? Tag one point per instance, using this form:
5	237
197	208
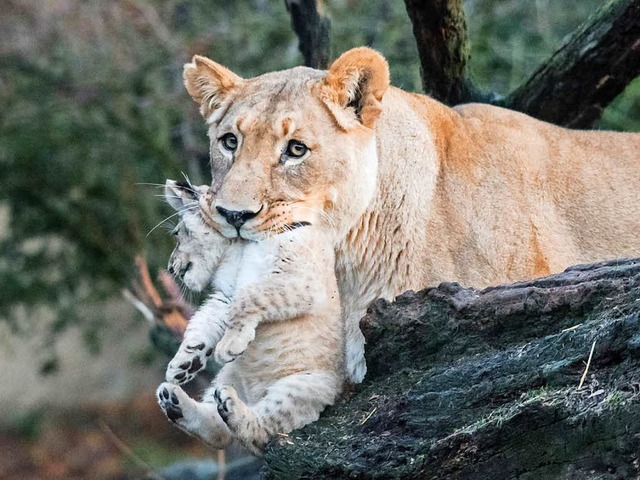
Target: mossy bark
586	73
313	31
484	384
440	30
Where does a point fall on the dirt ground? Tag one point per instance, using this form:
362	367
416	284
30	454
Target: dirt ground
118	440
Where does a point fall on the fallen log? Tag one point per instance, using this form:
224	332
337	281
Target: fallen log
538	379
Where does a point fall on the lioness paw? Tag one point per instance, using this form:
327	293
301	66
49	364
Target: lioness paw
233	344
189	360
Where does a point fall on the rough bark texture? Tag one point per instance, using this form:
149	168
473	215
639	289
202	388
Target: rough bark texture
312	29
441	34
467	384
586	73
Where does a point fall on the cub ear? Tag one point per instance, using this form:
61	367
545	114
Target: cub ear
180	195
355	84
209	83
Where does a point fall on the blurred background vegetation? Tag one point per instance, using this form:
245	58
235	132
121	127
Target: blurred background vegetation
93	111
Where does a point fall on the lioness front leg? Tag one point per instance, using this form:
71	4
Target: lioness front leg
356	365
205	329
200	419
291	402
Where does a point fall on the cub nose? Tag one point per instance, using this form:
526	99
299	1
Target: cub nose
237	218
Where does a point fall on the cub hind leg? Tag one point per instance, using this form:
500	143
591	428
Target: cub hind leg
290	403
200	419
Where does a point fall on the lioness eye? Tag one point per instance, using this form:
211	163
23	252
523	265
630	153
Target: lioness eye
229	142
296	149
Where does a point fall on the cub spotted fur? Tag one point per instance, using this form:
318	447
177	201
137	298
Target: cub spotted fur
416	192
273	321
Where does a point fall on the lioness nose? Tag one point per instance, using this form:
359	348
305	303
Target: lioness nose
236	218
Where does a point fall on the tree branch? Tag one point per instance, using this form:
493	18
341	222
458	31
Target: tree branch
168	316
312	29
580	79
441	34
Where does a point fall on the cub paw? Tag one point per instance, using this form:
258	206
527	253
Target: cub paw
167	395
233	344
226	399
189	360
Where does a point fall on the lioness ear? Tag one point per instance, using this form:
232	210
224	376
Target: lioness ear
209	83
180	195
356	82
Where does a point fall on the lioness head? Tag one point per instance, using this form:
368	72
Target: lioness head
291	148
199	249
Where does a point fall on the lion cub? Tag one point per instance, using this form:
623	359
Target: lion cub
273	321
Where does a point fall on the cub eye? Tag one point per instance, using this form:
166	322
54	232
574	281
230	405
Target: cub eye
229	142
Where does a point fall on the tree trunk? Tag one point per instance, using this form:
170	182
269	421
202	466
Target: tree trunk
586	73
313	30
441	35
467	384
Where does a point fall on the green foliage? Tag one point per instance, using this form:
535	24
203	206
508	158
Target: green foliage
380	24
510	39
93	105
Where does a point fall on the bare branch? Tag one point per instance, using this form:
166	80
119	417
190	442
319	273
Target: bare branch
173	313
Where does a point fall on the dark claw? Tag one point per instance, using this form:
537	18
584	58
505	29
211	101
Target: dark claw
174	398
165	394
216	395
180	376
200	346
209	352
196	365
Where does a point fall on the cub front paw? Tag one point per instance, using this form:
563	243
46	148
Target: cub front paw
167	395
189	360
233	344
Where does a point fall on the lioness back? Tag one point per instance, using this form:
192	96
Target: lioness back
575	189
416	192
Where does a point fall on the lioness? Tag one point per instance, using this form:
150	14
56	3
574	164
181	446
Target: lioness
415	192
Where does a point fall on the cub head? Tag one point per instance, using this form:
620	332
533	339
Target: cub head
291	148
199	248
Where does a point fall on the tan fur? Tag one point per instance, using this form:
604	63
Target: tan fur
475	194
